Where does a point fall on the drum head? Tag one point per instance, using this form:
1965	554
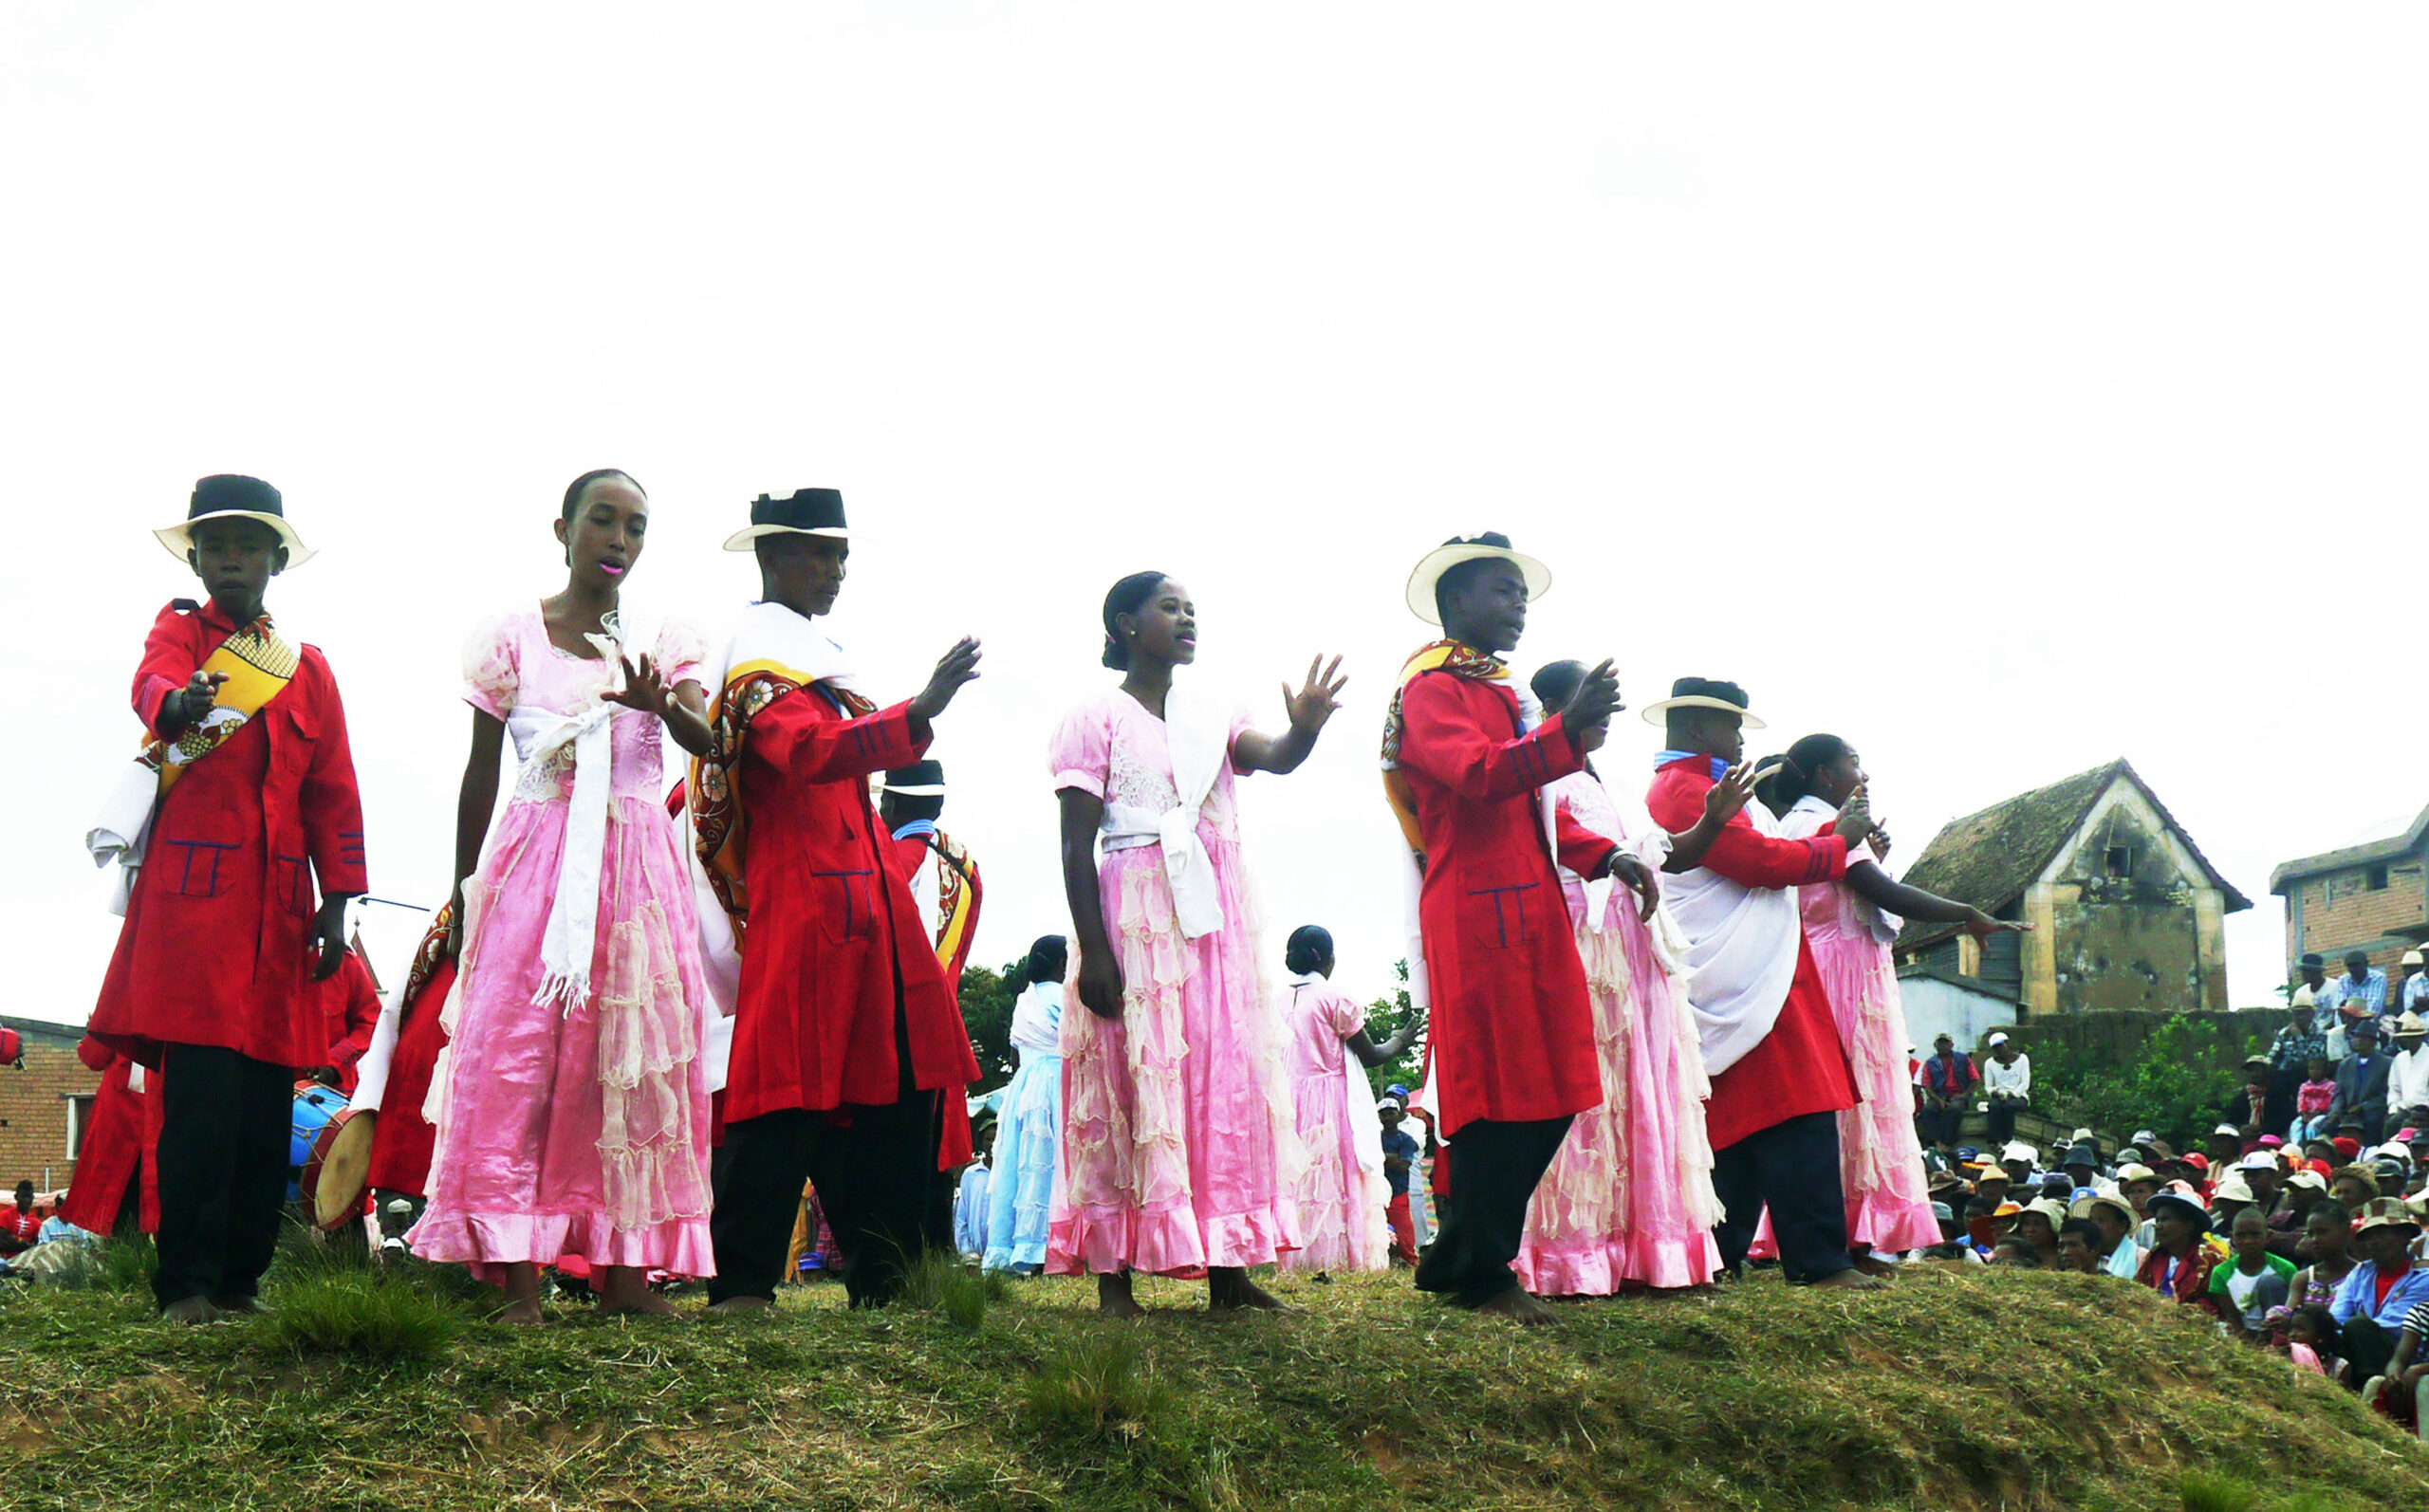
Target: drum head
340	1165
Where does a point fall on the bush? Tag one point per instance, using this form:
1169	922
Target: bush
1092	1387
2175	1087
2214	1493
364	1313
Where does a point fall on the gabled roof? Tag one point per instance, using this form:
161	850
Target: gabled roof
2282	880
1988	858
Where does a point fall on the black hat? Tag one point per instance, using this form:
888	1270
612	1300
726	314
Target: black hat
234	496
808	512
1703	693
918	780
2313	958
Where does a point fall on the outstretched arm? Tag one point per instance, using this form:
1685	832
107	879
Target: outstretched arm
1371	1055
1314	703
1878	888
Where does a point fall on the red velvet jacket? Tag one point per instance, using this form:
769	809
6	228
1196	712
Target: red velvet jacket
1513	1032
832	926
214	949
955	1145
121	1146
1801	1067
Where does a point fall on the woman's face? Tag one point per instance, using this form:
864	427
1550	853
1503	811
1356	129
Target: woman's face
2330	1239
2349	1192
1165	627
2301	1330
604	539
2174	1229
1837	779
2112	1225
2037	1232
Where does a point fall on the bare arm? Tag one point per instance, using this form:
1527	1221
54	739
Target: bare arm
1876	887
475	800
1314	703
1370	1055
1100	975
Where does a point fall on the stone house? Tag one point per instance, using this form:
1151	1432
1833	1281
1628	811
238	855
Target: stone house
2372	897
2127	914
45	1105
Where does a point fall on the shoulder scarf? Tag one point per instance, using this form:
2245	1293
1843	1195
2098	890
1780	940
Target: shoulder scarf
958	891
1197	737
1037	1020
1810	816
259	666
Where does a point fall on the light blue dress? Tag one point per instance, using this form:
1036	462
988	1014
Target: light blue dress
1028	1129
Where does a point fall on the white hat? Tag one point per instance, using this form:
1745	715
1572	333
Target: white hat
2228	1130
1393	1103
1997	1040
1706	692
2131	1172
2018	1149
2231	1190
2303	998
2410	958
2395	1148
2079	1136
1491	545
2258	1160
234	496
2309	1178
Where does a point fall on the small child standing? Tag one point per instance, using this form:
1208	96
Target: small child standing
252	811
2313	1098
1399	1157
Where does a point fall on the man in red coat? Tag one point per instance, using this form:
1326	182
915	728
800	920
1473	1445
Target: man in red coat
1513	1041
255	848
1779	1073
402	1141
115	1190
947	893
844	1028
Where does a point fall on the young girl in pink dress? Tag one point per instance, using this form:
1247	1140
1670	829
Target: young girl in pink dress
1628	1200
1179	1157
1849	925
1343	1192
572	1107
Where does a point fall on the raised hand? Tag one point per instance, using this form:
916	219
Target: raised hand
1880	840
1597	699
1731	794
195	699
1854	817
955	669
645	690
1317	699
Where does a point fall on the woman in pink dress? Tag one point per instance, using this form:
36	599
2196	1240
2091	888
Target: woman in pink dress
1628	1200
1850	925
1343	1192
1179	1157
572	1104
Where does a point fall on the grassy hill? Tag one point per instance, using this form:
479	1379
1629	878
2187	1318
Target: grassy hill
1955	1390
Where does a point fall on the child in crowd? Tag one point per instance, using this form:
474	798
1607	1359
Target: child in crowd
2313	1099
248	781
1178	1154
2253	1280
2330	1231
2315	1342
575	1094
1353	1204
1399	1158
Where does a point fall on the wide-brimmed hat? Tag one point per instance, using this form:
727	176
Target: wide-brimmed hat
2183	1199
923	779
2309	1179
2018	1149
2410	1023
807	512
2303	998
2047	1207
1704	692
2234	1188
2081	1154
234	496
2123	1210
1491	545
2385	1212
2129	1173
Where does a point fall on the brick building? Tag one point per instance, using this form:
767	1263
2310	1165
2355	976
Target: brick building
2371	897
2127	915
44	1105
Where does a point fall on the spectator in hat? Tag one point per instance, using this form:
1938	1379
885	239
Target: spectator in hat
2256	1107
2253	1280
1993	1182
2362	1083
2008	1081
2016	1158
2408	1070
2178	1264
2113	1220
2353	1186
1948	1080
2374	1298
2261	1172
2415	984
2057	1185
2359	991
2228	1201
2038	1225
2082	1166
2226	1147
2311	976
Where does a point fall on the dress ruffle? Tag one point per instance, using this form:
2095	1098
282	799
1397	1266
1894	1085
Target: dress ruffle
1020	1193
1881	1159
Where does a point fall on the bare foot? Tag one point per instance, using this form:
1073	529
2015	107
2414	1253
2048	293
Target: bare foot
1114	1299
1518	1307
190	1311
1229	1290
1850	1280
523	1314
734	1306
647	1304
625	1289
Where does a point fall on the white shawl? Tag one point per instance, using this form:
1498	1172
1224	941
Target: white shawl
1741	953
1037	1020
1198	736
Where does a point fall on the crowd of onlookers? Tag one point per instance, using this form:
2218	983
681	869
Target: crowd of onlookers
2297	1222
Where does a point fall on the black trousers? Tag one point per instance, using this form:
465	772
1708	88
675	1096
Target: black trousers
2000	1124
873	1177
1793	1169
224	1127
1495	1166
2368	1348
1940	1125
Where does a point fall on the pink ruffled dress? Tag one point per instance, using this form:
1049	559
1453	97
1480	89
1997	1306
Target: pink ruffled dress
1343	1192
1177	1152
1628	1200
1881	1159
584	1130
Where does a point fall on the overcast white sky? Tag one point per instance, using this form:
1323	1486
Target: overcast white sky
2004	390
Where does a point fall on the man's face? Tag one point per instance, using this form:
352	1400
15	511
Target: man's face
2138	1193
2174	1227
2365	1043
2382	1248
2314	977
2110	1223
1391	1117
804	572
1488	606
1943	1045
2073	1254
2016	1170
2006	1053
2357	965
1710	732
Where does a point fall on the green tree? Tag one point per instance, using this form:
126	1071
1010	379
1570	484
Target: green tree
987	999
1384	1017
2176	1085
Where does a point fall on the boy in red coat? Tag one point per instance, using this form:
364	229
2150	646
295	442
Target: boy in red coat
947	893
1512	1043
844	1028
255	848
1779	1073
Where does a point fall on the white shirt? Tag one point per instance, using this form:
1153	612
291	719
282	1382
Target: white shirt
2408	1079
2016	1078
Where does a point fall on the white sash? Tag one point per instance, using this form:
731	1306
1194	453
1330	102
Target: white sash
1197	736
1741	948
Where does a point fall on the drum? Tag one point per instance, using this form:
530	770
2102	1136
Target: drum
315	1105
339	1168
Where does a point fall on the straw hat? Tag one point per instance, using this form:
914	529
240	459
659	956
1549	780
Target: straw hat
234	496
1489	545
807	512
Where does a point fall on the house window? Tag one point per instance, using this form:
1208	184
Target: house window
79	1118
2378	878
2121	860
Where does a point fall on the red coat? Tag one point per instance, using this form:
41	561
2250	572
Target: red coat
352	1003
832	926
1512	1027
1801	1067
214	947
121	1146
400	1141
955	1145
